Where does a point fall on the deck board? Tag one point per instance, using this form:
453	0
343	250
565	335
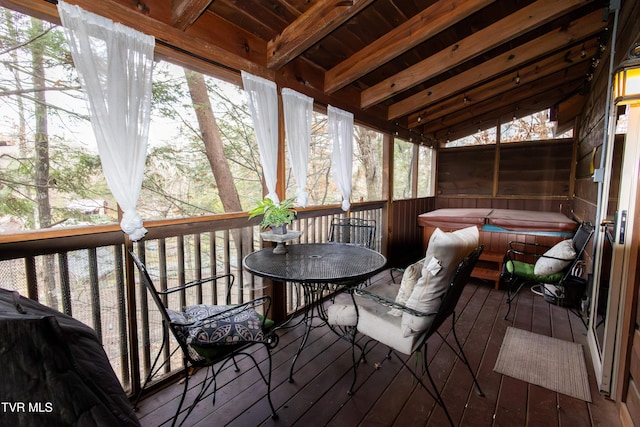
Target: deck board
386	394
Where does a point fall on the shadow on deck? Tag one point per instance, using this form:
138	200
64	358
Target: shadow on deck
386	395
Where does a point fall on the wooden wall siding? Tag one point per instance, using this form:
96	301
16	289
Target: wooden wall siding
590	133
405	237
466	171
541	169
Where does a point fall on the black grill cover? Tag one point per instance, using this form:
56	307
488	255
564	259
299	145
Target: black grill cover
54	371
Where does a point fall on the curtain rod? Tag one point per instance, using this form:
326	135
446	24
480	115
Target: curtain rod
194	55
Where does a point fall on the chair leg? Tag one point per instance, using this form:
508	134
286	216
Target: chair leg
206	383
152	371
355	370
268	381
463	357
184	394
435	394
267	378
438	397
512	295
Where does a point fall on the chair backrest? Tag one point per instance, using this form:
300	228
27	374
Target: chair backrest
582	237
579	242
188	352
148	283
458	282
352	231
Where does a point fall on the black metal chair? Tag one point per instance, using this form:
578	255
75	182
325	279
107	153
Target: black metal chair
353	231
209	336
561	287
417	344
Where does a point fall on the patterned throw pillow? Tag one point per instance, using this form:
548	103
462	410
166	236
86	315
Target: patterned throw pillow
235	327
178	319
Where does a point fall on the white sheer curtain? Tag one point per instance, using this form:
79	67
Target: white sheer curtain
340	125
115	65
262	98
298	114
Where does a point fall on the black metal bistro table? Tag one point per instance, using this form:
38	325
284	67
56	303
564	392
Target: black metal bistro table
318	267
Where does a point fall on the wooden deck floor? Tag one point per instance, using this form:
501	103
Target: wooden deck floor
387	396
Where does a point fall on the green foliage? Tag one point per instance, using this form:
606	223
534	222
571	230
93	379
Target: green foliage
274	215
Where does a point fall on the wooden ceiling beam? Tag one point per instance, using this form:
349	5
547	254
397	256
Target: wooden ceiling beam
416	30
312	26
514	25
494	88
566	36
547	90
171	37
185	12
503	114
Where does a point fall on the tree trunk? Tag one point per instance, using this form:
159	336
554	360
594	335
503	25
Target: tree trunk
15	69
42	156
213	142
215	154
372	170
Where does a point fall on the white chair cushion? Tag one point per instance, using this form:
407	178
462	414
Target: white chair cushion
342	312
548	266
444	253
376	322
408	282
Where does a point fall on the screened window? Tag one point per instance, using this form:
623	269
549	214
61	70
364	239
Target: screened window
482	137
534	127
402	169
186	174
426	172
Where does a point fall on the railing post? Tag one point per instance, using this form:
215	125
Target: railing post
278	294
32	277
134	356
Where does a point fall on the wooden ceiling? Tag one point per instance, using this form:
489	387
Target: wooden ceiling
429	70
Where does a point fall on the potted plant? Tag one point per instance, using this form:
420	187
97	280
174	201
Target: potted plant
275	216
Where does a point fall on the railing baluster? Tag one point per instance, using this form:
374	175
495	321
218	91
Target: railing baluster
95	291
144	316
227	264
65	286
181	272
197	254
213	265
229	242
122	314
162	272
32	277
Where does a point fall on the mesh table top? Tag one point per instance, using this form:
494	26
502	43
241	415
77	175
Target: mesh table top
316	263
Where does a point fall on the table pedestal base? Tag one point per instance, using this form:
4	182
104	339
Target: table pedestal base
314	295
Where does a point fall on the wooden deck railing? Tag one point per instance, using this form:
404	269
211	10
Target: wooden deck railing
84	273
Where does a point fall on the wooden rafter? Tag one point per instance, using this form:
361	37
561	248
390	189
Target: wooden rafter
494	88
185	12
537	48
432	54
516	24
313	25
427	23
560	84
